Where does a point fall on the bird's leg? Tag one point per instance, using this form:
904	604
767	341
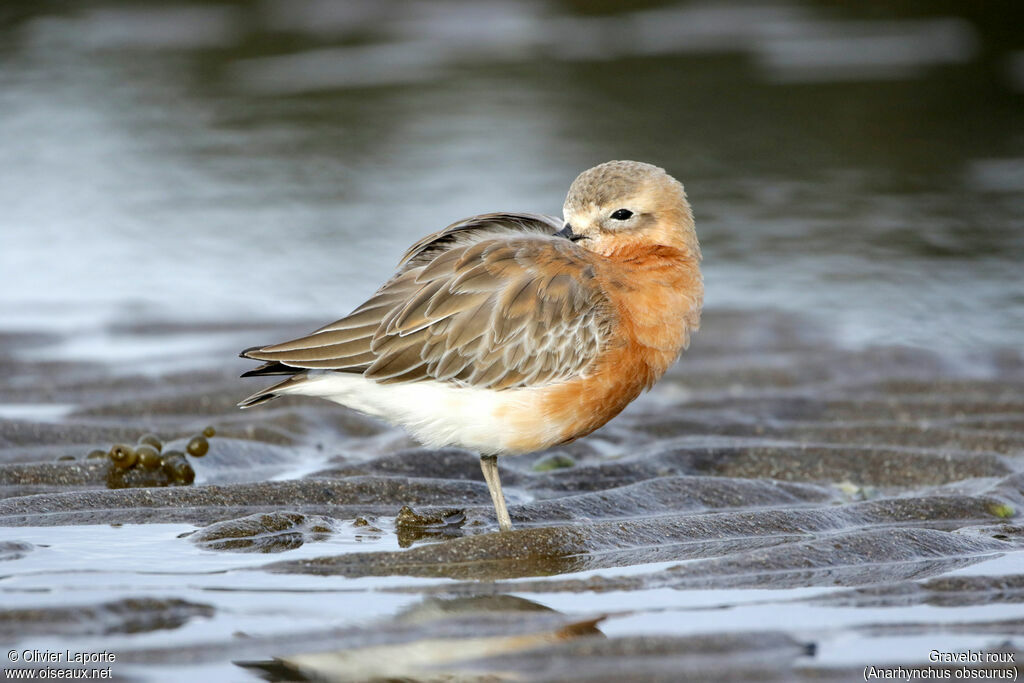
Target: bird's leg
489	464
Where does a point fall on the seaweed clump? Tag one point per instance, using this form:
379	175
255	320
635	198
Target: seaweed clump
147	464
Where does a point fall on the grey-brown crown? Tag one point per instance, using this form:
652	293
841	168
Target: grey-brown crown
610	181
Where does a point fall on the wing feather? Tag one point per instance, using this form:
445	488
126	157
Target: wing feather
496	301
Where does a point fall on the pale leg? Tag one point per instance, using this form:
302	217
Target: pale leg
489	464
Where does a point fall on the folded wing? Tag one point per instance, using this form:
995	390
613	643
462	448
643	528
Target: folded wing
495	301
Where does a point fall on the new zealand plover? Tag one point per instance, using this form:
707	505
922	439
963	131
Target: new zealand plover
508	333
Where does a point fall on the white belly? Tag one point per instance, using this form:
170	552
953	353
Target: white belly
437	413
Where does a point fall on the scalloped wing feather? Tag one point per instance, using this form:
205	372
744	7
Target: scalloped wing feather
492	302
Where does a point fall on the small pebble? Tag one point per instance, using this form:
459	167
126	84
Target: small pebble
149	457
96	454
170	457
185	474
123	456
152	440
198	446
177	468
65	458
210	432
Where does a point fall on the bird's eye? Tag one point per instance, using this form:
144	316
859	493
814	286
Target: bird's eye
622	214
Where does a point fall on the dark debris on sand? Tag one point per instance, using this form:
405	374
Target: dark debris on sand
766	459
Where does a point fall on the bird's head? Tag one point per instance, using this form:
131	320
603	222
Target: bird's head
621	205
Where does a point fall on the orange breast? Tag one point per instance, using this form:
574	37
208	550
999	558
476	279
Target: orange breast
657	293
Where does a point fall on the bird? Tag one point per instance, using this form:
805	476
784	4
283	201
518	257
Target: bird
508	333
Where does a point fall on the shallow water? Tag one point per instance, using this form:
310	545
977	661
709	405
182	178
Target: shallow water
204	161
830	478
777	509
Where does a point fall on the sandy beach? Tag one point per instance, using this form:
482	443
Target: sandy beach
842	501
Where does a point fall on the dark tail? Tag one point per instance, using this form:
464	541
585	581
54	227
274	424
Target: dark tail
271	368
296	375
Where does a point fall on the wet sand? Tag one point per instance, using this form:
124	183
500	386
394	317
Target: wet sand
777	509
